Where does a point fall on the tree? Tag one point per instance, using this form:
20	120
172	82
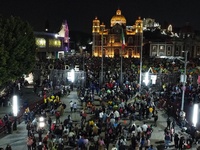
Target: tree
17	48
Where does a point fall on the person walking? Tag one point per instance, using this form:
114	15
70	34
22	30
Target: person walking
171	133
181	143
168	122
8	147
101	144
29	142
71	106
155	118
176	140
167	140
74	106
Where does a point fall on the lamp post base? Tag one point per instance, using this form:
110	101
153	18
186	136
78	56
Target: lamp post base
182	118
15	124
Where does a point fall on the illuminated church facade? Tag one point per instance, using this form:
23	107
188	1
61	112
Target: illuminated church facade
108	42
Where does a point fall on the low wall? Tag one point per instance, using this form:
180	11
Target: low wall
21	114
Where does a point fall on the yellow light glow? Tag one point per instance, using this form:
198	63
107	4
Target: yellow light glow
40	42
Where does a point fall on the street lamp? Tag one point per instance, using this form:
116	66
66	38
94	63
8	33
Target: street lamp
122	49
15	111
41	125
121	67
195	114
182	113
41	122
184	81
141	51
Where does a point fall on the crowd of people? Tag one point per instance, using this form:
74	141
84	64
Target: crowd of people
117	101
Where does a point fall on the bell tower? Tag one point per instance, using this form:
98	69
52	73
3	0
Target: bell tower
95	33
95	26
138	34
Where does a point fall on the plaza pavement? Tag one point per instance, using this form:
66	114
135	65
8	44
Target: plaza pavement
18	138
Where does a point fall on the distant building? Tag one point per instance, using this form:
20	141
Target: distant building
149	23
53	45
119	39
174	43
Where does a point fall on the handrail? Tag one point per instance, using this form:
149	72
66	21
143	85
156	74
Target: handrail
21	114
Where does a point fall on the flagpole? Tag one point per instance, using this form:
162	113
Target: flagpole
121	78
101	82
121	67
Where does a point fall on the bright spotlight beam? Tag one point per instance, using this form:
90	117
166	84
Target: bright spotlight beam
195	114
15	105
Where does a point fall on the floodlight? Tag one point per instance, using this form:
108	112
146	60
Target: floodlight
195	114
15	105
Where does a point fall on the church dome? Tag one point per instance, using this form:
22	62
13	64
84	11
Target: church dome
118	18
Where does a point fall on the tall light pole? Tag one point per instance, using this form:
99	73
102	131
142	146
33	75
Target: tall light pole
15	111
101	81
121	75
141	50
184	81
122	48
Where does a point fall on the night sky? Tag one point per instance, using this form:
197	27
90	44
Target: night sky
80	13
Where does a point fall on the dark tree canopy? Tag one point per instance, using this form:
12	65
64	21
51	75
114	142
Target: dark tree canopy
17	48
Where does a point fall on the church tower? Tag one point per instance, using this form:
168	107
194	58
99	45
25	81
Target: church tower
95	33
138	34
108	42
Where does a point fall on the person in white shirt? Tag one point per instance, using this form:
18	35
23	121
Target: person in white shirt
101	115
116	115
19	86
71	106
112	120
75	107
144	127
114	147
139	130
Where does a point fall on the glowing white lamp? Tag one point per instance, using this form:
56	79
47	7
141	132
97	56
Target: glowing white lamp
41	119
146	78
195	114
72	75
41	122
153	78
15	105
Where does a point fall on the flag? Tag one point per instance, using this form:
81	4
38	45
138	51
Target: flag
123	39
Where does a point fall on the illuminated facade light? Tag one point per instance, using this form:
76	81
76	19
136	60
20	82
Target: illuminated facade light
54	43
41	42
71	75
